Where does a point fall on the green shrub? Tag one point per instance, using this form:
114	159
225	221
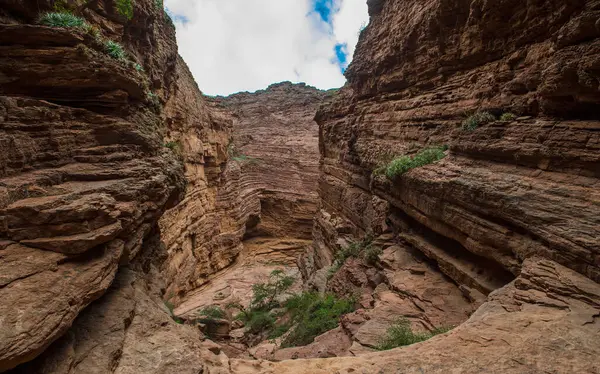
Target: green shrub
400	334
173	145
278	331
314	314
371	255
477	119
354	249
259	321
266	294
508	117
401	165
115	50
62	19
213	311
124	8
158	3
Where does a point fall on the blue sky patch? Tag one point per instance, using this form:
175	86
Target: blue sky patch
325	9
341	54
177	17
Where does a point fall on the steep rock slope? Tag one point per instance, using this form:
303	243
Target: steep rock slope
267	190
85	177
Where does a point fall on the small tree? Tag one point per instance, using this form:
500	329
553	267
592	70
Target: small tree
265	294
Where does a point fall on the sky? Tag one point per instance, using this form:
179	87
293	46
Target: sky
246	45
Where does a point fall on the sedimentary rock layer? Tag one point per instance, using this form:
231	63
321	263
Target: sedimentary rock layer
268	188
84	174
276	142
507	190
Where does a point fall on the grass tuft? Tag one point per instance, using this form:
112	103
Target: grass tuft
62	19
508	117
115	50
125	8
477	119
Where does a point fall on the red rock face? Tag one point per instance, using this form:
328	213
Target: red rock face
276	144
268	187
84	173
508	190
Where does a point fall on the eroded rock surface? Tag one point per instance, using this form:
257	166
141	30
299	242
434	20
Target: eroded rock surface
268	189
84	175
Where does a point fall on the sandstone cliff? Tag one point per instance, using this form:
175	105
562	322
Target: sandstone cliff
85	177
500	237
268	189
512	198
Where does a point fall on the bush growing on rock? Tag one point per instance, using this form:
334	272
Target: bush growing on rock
62	19
313	314
401	165
124	8
304	315
400	334
477	119
364	249
212	311
508	117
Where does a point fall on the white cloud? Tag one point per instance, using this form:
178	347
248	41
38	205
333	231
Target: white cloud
245	45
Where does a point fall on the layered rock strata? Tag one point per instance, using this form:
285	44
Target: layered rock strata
506	192
85	176
268	189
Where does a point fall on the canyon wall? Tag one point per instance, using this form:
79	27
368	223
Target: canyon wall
504	223
85	176
276	142
508	190
268	189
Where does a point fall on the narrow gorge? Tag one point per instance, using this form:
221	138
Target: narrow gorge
449	190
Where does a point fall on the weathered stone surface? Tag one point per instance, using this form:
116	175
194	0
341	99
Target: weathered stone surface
276	142
83	173
267	189
506	191
129	330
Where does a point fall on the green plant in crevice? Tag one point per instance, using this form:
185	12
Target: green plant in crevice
507	117
115	50
124	8
358	249
62	19
313	314
173	145
477	119
400	334
158	3
212	311
138	67
402	164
